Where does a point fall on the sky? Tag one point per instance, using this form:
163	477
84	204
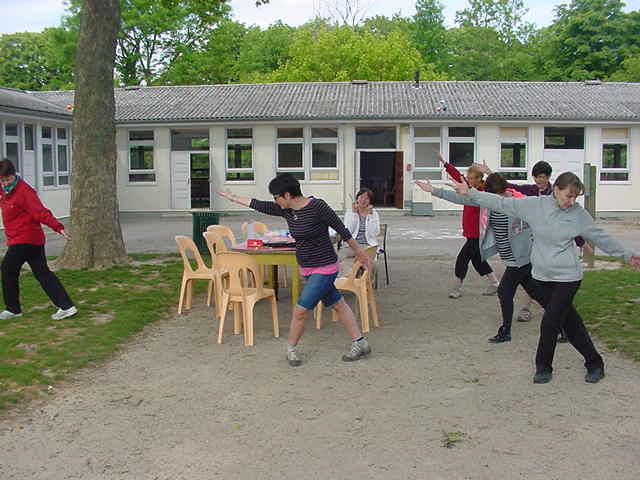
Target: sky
34	15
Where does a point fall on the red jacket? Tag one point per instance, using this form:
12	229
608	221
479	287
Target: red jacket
470	215
22	214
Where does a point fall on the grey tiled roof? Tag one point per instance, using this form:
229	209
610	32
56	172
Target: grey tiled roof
375	101
18	101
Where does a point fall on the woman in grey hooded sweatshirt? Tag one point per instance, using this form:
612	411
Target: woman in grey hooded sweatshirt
555	221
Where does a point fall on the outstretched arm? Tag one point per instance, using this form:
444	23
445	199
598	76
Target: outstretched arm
232	197
447	195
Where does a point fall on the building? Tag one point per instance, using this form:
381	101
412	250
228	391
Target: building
177	145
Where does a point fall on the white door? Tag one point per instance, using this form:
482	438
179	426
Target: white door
180	180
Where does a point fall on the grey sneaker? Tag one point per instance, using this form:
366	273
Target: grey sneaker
293	359
456	291
358	350
524	315
6	315
60	314
492	289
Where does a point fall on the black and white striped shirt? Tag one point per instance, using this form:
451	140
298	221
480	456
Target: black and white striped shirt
500	224
310	228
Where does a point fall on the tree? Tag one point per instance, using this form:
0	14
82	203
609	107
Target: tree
503	16
590	39
428	32
339	53
95	227
263	51
344	12
36	61
215	62
382	25
629	71
155	32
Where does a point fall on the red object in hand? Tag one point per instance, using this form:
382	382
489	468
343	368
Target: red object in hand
254	243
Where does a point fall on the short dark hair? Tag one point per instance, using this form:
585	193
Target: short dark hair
285	183
368	192
7	168
569	180
495	183
541	168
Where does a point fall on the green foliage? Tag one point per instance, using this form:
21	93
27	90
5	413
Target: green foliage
505	17
37	61
428	32
629	71
323	53
263	51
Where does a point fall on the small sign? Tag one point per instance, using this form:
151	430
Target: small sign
254	243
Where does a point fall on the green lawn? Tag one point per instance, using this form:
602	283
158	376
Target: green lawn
609	303
113	304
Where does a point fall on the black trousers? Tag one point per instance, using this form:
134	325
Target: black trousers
470	252
13	260
512	277
559	312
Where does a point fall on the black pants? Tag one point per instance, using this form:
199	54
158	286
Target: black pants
13	260
557	298
470	252
512	277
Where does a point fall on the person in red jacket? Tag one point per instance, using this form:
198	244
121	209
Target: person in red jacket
470	251
22	214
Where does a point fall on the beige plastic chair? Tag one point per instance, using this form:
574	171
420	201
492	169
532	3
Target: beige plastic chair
201	272
225	232
258	227
215	244
240	268
359	283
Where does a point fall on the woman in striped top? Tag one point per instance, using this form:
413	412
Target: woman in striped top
309	220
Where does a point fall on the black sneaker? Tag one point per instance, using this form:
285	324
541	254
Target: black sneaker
594	375
544	376
500	338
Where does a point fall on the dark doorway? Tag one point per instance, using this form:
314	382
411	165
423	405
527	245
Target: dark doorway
379	171
200	192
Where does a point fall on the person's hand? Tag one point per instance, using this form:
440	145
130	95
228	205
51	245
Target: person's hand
228	195
439	156
635	262
354	206
425	185
587	249
63	233
364	260
461	188
482	167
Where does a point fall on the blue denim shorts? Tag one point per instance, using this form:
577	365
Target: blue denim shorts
319	287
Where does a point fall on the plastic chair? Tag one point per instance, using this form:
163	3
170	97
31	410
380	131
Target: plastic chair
383	251
258	227
201	272
215	244
225	232
240	267
359	283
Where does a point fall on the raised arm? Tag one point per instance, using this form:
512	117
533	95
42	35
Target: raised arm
448	195
232	197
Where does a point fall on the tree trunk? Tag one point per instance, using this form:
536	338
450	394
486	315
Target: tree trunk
95	225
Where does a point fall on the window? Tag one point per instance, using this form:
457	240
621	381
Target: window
46	132
48	169
12	154
240	154
189	140
461	146
62	133
11	143
54	152
564	138
614	166
376	137
141	166
426	147
63	165
28	137
11	129
308	153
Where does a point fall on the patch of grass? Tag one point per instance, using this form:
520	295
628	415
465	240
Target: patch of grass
609	303
113	304
451	439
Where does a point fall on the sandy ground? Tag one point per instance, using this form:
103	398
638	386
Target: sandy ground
175	405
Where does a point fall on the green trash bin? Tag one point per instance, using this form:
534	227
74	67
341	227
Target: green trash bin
201	220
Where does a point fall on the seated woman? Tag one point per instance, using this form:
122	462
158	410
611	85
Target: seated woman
363	220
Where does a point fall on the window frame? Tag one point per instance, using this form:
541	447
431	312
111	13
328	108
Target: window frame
447	141
415	140
17	139
602	169
238	141
141	171
525	169
308	141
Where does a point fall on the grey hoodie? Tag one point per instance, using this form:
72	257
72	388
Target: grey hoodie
554	256
519	232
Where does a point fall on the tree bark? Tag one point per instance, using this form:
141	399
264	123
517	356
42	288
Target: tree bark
96	235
